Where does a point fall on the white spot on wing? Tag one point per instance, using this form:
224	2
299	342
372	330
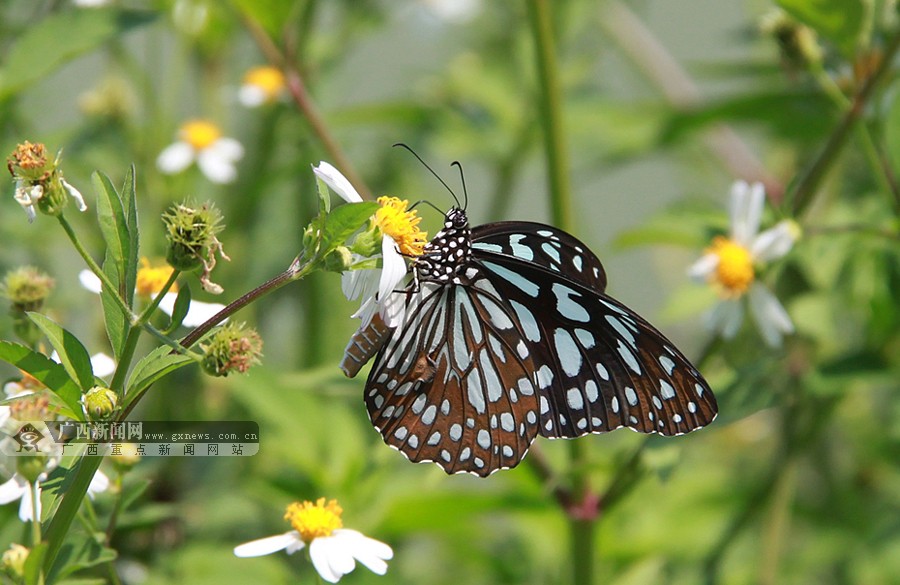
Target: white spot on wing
567	351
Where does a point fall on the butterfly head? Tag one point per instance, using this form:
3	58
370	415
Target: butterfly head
448	251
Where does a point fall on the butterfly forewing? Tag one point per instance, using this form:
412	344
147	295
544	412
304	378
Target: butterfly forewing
543	246
454	388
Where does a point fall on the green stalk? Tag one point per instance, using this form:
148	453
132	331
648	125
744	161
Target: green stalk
808	184
95	268
581	522
68	508
550	98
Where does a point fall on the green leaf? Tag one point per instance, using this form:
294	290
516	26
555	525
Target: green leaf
180	310
48	372
111	216
272	15
129	207
59	38
343	221
72	355
133	491
61	521
839	21
153	366
324	196
115	321
80	554
33	564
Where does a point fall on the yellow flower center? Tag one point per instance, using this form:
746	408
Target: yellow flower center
735	269
269	79
200	134
402	225
314	520
151	280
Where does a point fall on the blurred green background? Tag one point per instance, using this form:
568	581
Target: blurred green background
796	482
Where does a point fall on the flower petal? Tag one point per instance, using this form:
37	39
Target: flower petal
251	96
217	168
726	318
227	148
102	364
13	489
392	272
90	281
704	267
268	545
337	182
76	195
175	158
198	312
325	555
26	506
774	242
369	552
769	314
99	484
746	210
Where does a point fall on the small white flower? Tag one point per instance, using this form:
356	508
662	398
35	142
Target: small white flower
91	3
333	550
730	264
27	196
18	488
262	85
202	141
375	285
99	484
198	313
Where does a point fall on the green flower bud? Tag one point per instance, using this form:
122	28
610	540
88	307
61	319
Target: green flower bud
368	242
26	288
232	348
39	182
100	402
192	242
14	559
338	260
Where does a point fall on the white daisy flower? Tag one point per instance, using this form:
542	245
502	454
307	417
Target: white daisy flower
198	313
400	236
333	550
202	141
262	85
731	265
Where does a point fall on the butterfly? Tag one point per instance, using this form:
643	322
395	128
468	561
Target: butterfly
508	334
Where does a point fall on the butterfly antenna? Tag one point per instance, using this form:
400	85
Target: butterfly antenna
436	176
462	179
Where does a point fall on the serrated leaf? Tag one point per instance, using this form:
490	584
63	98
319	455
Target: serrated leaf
129	207
180	310
72	355
839	21
343	221
69	33
46	371
113	227
153	366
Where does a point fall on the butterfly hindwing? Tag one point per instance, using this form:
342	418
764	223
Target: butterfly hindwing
450	386
600	366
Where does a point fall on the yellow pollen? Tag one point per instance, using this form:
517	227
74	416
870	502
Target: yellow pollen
735	269
314	520
151	280
402	225
269	79
31	156
200	134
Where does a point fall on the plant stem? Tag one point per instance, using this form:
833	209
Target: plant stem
297	88
95	268
550	98
808	184
582	510
295	271
35	514
774	539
